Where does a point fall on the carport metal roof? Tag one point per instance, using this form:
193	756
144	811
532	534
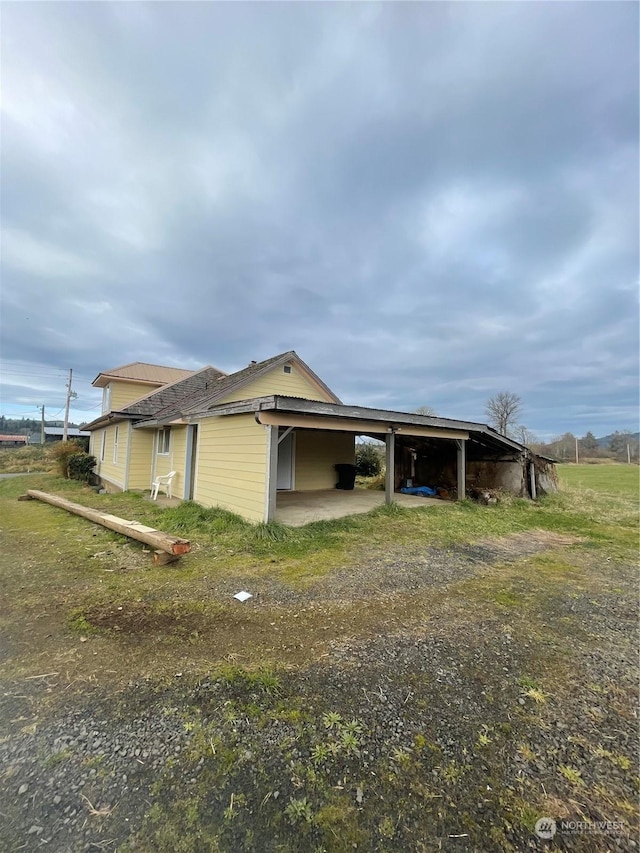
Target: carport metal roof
312	414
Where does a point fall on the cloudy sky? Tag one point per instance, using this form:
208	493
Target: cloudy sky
430	202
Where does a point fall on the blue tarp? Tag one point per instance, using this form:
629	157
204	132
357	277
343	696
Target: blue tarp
422	491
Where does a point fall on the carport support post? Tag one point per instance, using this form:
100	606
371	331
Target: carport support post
462	472
390	476
532	477
271	490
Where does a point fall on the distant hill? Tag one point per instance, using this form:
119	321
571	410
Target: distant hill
605	441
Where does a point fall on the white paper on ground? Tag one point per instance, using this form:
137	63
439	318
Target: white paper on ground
243	596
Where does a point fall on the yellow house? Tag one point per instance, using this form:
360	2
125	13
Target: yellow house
149	427
236	441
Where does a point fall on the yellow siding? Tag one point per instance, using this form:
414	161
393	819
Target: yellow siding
276	381
316	452
174	460
112	472
140	459
124	393
232	465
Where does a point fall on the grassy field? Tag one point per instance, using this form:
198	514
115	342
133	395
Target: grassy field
613	480
25	459
429	679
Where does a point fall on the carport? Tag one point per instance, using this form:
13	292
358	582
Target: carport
280	415
456	455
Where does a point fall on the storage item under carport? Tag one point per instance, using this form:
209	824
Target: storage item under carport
346	476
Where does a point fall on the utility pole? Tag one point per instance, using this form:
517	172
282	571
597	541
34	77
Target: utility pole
42	427
576	451
70	394
628	454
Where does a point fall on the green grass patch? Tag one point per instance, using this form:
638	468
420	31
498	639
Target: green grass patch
615	480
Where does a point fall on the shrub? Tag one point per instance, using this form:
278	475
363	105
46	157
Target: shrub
80	466
368	461
61	453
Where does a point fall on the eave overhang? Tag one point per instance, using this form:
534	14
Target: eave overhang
312	414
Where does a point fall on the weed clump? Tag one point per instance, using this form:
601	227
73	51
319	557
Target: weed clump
190	516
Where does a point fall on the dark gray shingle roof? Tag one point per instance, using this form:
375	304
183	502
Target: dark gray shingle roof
172	396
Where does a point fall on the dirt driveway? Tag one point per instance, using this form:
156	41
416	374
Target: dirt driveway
421	699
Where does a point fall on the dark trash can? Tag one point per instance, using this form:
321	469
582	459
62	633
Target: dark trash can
346	476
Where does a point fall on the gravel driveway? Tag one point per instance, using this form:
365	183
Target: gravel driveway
465	724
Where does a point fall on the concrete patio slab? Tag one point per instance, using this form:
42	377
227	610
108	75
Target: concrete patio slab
296	509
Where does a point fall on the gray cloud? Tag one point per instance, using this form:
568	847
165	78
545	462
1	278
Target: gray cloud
430	202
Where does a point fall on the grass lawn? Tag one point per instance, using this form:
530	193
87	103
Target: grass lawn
428	679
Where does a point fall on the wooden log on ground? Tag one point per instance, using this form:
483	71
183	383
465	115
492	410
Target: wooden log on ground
132	529
25	498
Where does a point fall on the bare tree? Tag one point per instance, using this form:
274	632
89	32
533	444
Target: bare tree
503	410
525	436
427	411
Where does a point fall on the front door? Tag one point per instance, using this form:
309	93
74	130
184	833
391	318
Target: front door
285	462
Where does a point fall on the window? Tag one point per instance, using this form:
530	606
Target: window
287	368
164	436
103	445
115	445
106	398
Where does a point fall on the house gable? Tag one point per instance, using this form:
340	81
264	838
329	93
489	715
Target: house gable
122	393
286	379
286	370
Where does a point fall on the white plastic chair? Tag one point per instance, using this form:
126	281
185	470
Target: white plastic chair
163	482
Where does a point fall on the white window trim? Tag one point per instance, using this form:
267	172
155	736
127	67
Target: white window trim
162	432
115	445
106	398
103	445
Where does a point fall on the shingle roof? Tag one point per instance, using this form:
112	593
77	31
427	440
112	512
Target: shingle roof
172	396
199	390
140	371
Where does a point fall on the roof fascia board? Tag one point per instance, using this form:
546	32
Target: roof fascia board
110	377
295	404
313	407
315	379
108	419
157	423
355	425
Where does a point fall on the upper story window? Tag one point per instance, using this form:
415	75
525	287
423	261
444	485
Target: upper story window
287	368
164	438
106	398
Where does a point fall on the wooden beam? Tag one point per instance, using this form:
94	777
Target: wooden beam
462	472
285	434
284	419
132	529
390	476
271	485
